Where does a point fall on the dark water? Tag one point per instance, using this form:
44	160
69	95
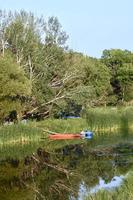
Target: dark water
70	172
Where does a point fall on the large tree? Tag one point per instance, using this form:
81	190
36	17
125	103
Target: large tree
14	87
125	77
40	57
120	63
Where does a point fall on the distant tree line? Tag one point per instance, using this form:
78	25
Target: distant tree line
41	77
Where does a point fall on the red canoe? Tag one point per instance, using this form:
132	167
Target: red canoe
65	136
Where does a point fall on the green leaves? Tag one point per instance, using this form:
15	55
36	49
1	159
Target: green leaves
54	33
120	63
13	85
125	74
36	63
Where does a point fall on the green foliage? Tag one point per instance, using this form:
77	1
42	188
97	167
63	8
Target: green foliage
54	33
14	86
120	64
57	76
115	58
125	77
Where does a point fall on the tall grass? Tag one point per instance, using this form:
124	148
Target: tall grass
110	119
19	133
19	140
99	120
63	125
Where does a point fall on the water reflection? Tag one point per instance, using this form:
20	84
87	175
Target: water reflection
85	168
68	173
114	183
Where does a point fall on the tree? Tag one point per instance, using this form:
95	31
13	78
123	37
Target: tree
5	19
93	83
41	61
125	77
14	86
87	83
54	35
118	61
23	36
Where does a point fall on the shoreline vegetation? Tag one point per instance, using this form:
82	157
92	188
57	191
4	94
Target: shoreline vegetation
25	142
99	120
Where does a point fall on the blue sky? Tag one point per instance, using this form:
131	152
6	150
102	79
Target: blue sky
92	25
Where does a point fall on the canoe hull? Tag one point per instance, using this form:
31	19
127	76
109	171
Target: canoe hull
64	136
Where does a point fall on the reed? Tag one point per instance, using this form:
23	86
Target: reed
63	125
110	119
19	133
19	140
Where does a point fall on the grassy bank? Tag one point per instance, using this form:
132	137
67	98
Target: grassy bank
19	140
99	120
108	123
19	133
34	131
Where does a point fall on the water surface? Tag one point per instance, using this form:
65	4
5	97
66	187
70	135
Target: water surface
71	171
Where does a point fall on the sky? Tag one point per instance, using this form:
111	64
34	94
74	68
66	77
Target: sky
92	25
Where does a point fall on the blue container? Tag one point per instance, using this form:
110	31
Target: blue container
88	135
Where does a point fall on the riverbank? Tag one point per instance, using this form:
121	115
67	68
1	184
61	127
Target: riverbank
34	131
19	140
